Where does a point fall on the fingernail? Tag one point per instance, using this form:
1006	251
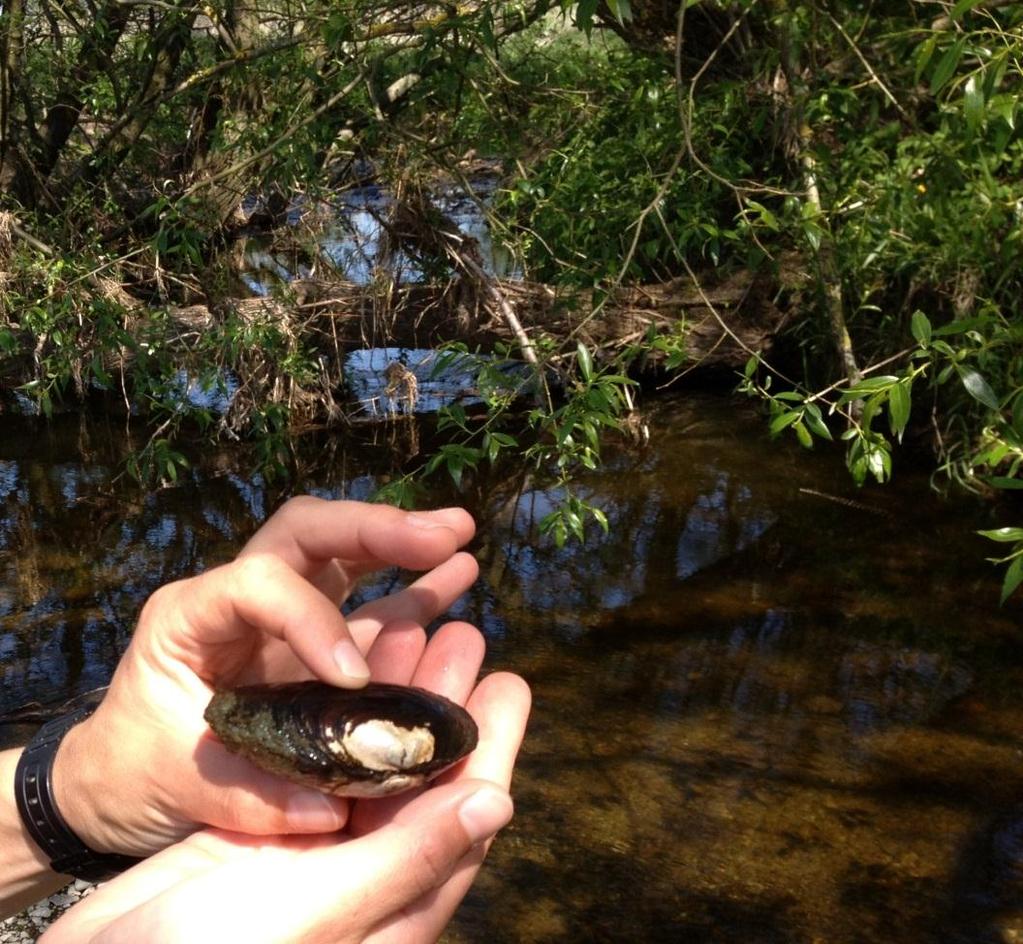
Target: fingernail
309	811
350	661
484	813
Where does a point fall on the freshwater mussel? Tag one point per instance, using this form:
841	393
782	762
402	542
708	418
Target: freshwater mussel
367	742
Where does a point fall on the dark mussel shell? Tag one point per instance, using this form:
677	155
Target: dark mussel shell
372	741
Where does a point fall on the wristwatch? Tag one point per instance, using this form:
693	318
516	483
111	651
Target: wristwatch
33	790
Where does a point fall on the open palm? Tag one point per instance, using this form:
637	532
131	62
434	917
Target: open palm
395	873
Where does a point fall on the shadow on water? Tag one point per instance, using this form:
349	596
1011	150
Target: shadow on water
768	707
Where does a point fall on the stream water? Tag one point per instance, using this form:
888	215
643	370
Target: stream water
768	707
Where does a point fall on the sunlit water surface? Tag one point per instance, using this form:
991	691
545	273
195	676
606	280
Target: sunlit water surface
761	714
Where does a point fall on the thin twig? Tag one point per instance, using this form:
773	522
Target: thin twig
866	65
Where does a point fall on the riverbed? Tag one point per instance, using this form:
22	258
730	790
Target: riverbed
769	706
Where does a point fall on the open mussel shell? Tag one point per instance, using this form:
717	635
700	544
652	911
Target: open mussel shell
372	741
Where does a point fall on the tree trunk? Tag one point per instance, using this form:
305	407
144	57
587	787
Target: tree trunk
164	56
12	25
64	111
800	145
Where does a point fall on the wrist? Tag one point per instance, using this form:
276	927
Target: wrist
78	788
39	802
25	873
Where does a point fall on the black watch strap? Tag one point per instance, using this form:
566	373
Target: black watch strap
33	789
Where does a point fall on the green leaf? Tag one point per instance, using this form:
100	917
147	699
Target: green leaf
1004	535
815	421
973	103
621	9
1006	110
1013	578
866	387
899	406
963	7
813	235
879	460
1003	481
435	460
994	72
947	65
783	421
766	216
337	30
961	326
585	361
923	56
874	384
584	11
920	325
1017	414
803	435
978	388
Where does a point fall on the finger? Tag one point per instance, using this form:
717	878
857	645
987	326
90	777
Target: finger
328	892
305	532
421	602
428	842
449	667
222	613
396	652
426	918
332	582
451	662
232	793
501	705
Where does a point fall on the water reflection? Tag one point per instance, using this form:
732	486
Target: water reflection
388	381
761	715
352	238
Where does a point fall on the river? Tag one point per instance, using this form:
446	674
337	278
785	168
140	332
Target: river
769	707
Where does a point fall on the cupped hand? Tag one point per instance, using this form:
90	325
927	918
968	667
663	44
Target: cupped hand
144	770
394	875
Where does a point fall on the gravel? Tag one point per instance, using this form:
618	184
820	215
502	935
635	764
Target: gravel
28	926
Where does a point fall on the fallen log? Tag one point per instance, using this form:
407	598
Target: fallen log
719	325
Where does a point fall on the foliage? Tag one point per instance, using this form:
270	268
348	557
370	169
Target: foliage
573	213
555	438
1014	559
878	148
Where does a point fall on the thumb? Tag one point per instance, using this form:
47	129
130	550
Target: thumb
325	891
421	848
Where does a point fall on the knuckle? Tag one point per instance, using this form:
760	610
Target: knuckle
163	595
298	506
258	569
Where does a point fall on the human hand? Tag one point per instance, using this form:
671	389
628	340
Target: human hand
144	771
395	874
